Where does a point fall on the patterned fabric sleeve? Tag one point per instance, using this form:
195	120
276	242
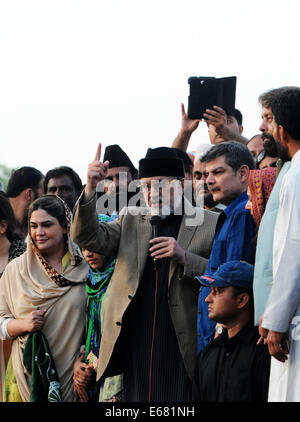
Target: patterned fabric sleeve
17	248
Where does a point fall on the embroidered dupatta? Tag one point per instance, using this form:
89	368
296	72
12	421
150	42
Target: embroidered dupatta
29	282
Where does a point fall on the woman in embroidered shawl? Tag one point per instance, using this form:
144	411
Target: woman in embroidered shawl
44	289
260	185
11	246
101	269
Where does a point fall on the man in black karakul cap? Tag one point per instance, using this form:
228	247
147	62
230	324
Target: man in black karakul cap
149	333
120	173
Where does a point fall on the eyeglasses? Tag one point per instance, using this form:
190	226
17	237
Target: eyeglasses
260	157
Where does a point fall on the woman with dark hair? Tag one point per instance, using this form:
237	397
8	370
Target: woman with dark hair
44	289
10	247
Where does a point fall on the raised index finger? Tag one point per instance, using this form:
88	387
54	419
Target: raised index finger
98	152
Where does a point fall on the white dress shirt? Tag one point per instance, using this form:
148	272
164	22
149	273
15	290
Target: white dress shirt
282	313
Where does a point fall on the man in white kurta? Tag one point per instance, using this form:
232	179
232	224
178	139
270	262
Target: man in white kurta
282	313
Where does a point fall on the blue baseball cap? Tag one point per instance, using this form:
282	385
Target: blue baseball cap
232	273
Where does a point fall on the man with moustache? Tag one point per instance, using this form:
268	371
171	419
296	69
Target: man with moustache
120	173
149	333
64	182
221	128
199	182
263	270
227	170
279	326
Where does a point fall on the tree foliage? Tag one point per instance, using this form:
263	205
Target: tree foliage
5	173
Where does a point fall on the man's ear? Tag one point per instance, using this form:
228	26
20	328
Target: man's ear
3	226
29	195
242	300
244	173
283	135
241	129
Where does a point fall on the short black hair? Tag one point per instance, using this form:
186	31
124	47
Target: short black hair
235	153
236	291
62	171
286	111
21	179
238	116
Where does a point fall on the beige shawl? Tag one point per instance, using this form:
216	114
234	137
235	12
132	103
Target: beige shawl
27	283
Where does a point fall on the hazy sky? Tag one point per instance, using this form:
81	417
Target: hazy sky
76	72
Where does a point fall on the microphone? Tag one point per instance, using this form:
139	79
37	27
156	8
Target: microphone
155	221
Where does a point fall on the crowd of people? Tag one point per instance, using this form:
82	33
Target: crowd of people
174	282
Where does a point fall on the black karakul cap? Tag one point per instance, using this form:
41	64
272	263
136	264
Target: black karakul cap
161	161
117	157
187	162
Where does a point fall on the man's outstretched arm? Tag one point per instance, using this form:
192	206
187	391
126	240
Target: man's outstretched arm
188	126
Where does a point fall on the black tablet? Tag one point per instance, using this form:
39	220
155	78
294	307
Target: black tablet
207	91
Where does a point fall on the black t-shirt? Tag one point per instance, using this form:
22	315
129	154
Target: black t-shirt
233	369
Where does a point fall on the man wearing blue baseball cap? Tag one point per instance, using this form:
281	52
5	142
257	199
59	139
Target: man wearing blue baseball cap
232	368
